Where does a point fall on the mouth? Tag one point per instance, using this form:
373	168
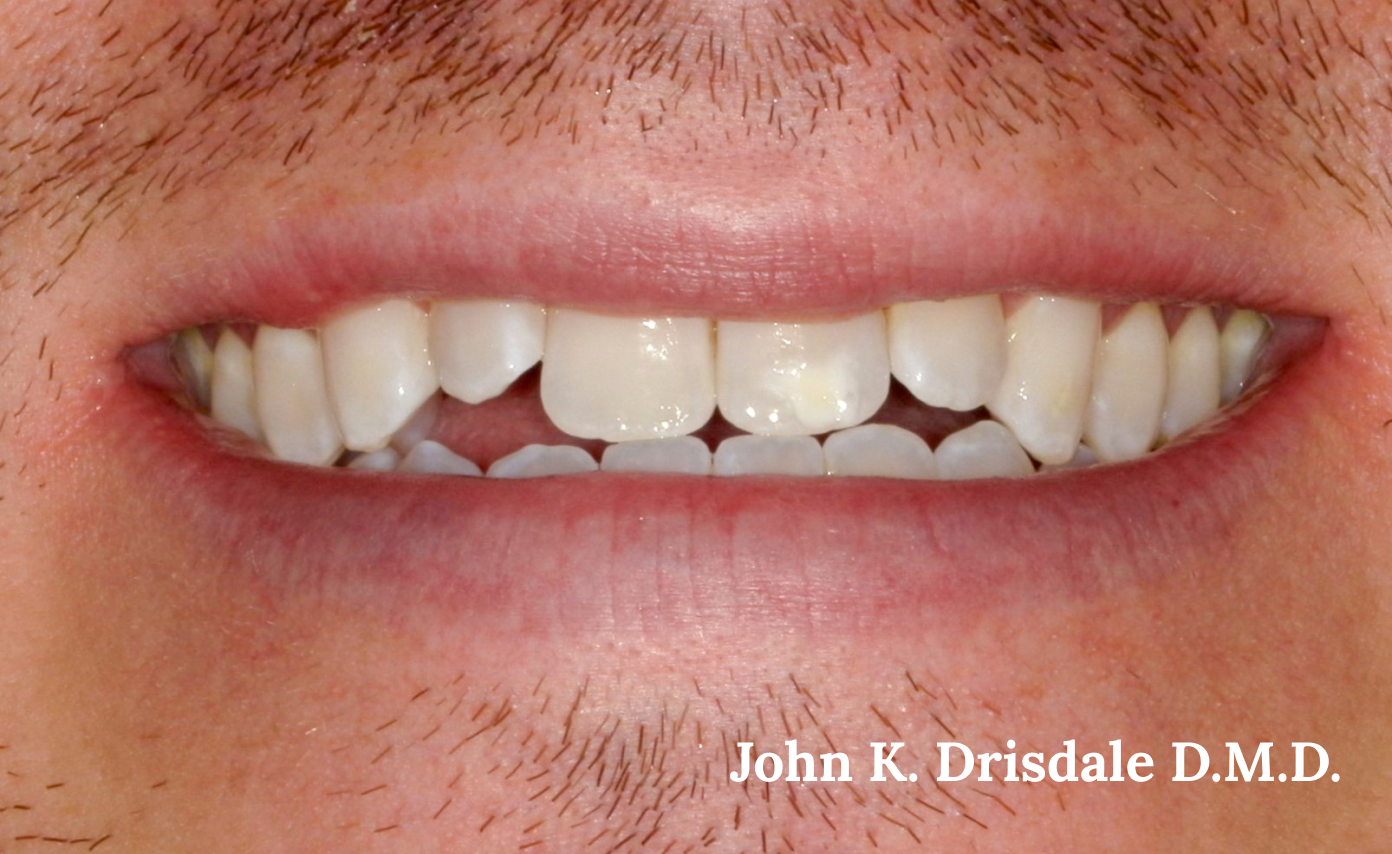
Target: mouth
579	458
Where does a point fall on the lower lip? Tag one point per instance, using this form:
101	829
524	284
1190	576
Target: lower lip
629	555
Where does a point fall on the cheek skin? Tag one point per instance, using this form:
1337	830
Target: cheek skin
155	692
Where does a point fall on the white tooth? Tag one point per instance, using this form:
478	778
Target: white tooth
985	449
627	378
481	346
951	353
193	359
800	379
879	450
1196	383
788	455
1241	343
1043	397
292	401
232	391
377	361
1082	459
543	461
433	458
386	459
680	455
1128	385
418	426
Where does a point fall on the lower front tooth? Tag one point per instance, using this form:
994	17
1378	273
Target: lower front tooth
543	461
1241	343
985	449
801	379
787	455
292	400
681	455
386	459
377	364
232	389
623	379
1043	398
879	450
1195	385
433	458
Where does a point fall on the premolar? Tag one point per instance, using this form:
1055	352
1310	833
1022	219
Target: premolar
1128	386
1195	386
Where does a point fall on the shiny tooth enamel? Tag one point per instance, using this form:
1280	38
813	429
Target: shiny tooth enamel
429	457
377	365
801	379
386	459
1043	396
878	450
623	379
950	353
292	399
232	388
193	359
679	455
419	426
773	455
543	461
985	449
1128	385
1240	344
481	346
1194	391
1082	458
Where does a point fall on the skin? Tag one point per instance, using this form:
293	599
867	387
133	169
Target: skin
170	690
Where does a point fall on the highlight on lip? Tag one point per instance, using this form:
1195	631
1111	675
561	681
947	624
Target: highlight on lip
973	387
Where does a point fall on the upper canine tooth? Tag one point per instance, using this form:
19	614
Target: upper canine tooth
951	353
377	361
480	346
680	455
1043	397
1128	385
1195	381
627	378
292	400
789	379
1241	343
985	449
232	390
788	455
878	450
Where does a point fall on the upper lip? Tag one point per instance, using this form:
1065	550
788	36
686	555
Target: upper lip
783	260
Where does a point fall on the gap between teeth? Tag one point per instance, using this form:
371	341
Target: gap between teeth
363	390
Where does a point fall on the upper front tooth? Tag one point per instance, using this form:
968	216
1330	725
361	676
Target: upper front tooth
784	379
1195	382
232	391
1043	397
1241	342
292	400
480	346
627	378
1128	386
951	353
377	361
878	450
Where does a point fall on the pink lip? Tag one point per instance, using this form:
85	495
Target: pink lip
788	261
632	555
